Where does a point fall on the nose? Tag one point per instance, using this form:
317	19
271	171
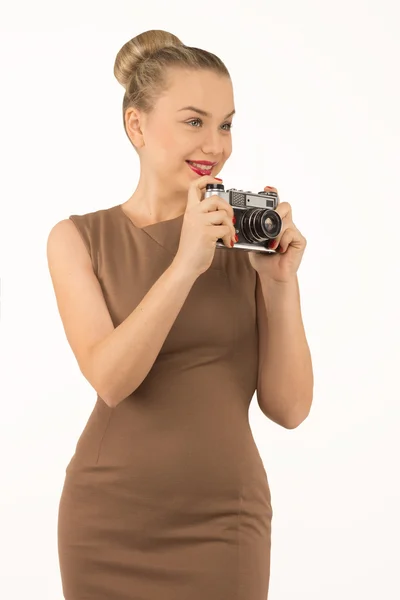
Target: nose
214	144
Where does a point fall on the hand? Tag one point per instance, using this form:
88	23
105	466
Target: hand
204	222
281	266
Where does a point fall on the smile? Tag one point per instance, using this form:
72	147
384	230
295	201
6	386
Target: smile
200	169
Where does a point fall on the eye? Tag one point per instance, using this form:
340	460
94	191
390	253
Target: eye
193	121
200	121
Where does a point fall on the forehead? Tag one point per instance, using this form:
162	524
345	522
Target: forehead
204	89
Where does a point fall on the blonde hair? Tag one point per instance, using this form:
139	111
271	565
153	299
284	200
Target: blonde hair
141	66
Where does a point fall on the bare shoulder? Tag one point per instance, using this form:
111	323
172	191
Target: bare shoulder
63	236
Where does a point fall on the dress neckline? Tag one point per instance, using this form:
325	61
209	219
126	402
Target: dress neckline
158	223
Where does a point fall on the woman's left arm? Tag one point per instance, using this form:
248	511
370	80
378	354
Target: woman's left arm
285	374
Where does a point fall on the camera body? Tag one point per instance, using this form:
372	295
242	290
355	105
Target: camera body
257	221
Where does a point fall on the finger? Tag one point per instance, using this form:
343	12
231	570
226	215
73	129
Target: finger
274	242
197	187
291	237
222	232
220	217
215	202
284	210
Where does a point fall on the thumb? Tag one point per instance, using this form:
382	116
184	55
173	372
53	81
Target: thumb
198	187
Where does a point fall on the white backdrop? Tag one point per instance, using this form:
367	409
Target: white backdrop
317	97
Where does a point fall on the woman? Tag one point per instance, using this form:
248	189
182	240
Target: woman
166	495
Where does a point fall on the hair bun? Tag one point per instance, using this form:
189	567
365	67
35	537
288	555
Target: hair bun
138	48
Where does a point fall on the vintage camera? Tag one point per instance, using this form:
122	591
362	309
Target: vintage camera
257	221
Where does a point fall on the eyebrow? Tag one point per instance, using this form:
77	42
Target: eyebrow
203	112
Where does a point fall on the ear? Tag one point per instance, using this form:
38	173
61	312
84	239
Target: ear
133	124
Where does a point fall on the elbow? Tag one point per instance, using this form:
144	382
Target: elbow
98	384
287	414
111	397
108	396
107	400
294	422
297	417
300	407
109	387
100	390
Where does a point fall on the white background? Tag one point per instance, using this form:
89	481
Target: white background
317	97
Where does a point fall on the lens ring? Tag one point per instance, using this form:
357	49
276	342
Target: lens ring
248	225
260	224
275	221
256	224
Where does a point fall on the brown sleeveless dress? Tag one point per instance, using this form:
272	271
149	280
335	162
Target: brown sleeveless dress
166	496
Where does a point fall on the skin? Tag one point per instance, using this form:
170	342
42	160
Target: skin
165	138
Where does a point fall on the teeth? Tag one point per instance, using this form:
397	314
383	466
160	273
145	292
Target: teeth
201	167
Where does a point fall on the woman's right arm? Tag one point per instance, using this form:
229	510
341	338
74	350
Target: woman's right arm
115	361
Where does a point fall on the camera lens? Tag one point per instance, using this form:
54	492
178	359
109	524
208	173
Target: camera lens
260	224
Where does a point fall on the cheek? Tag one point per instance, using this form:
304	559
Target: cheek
161	139
163	151
228	148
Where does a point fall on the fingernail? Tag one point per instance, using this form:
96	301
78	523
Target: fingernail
234	220
236	238
218	178
232	243
272	244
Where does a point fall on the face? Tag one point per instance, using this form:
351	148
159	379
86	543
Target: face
170	136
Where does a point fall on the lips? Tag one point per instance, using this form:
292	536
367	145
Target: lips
207	167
